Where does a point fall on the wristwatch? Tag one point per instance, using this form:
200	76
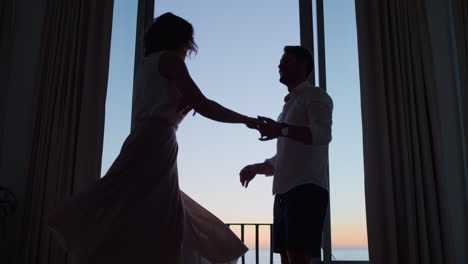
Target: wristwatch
284	130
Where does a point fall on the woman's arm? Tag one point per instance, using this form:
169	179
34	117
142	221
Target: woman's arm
173	67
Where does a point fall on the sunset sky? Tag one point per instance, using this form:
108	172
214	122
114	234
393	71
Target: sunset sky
240	45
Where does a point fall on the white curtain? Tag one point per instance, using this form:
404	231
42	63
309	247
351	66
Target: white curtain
69	107
406	170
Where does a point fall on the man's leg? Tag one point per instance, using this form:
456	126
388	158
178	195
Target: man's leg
306	207
302	257
279	230
284	258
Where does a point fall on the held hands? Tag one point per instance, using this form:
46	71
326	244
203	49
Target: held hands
268	128
252	123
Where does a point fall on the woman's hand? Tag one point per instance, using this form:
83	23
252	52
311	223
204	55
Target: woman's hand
253	123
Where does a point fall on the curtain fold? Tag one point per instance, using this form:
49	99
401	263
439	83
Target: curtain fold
7	10
69	117
405	215
460	15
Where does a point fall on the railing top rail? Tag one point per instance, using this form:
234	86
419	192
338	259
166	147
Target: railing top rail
254	224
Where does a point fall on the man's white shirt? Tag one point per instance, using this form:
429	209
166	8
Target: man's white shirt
297	163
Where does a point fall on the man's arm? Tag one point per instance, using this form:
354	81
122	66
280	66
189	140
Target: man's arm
250	171
272	129
319	115
318	132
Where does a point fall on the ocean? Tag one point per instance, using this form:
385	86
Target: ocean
338	254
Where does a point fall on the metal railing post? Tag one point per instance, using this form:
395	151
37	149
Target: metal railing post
257	259
271	244
242	239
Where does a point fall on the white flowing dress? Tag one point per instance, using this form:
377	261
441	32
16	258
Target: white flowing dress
136	213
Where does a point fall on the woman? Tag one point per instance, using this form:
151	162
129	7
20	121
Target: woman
137	213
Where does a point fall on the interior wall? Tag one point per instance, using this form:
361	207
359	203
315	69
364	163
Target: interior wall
17	101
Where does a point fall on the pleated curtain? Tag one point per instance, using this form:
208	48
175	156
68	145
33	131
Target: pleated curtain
6	35
69	117
408	204
460	16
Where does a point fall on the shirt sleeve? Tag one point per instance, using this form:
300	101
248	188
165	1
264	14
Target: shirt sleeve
319	117
272	162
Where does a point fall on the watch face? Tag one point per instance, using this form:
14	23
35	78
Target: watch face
284	131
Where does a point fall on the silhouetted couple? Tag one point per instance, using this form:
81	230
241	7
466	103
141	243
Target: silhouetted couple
136	213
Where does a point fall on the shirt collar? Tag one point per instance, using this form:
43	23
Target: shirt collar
302	86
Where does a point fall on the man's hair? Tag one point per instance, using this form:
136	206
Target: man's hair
302	55
169	32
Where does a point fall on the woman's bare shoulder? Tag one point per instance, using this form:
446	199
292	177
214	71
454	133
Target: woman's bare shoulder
170	64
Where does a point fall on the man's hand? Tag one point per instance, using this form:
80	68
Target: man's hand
250	171
247	174
269	128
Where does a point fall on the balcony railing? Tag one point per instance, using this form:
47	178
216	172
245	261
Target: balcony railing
257	237
257	244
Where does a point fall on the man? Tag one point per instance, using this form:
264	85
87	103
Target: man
300	166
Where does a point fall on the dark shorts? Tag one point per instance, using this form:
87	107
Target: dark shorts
298	217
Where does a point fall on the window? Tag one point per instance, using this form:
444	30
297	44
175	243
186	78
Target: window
120	83
241	43
348	217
